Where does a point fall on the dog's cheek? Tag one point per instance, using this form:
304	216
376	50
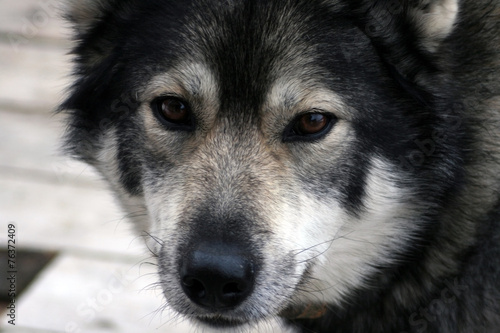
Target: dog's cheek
355	246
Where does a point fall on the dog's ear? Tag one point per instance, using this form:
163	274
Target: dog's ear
434	21
426	23
85	14
96	27
410	36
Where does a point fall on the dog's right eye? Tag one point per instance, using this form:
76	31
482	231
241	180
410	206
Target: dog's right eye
174	113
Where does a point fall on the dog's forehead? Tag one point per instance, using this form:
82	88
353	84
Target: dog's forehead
246	49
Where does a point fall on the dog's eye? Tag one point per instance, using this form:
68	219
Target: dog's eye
174	110
311	123
174	113
309	127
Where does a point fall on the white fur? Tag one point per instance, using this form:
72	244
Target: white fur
350	246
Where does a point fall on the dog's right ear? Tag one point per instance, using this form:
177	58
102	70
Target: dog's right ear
85	14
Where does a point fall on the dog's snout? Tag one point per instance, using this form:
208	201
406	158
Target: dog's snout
217	276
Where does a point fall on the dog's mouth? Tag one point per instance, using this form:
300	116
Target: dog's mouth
221	322
307	311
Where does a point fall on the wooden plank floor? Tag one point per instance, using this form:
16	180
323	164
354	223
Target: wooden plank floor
96	283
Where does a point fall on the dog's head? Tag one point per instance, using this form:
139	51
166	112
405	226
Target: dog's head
276	153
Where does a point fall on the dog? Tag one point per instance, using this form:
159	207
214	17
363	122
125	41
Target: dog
331	164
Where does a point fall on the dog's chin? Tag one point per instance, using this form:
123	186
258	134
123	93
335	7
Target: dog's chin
219	322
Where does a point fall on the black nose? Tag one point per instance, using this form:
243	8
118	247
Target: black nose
217	276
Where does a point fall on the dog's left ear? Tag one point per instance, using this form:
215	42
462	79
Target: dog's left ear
425	23
410	35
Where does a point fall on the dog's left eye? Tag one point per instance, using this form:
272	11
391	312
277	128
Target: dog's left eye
309	127
174	113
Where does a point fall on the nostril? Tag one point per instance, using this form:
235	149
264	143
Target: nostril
195	287
234	289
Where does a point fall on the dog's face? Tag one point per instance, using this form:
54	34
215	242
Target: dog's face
267	149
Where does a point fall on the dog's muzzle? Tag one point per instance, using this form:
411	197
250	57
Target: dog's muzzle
219	277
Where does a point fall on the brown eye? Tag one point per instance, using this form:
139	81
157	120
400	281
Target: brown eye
311	123
174	113
174	110
310	126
